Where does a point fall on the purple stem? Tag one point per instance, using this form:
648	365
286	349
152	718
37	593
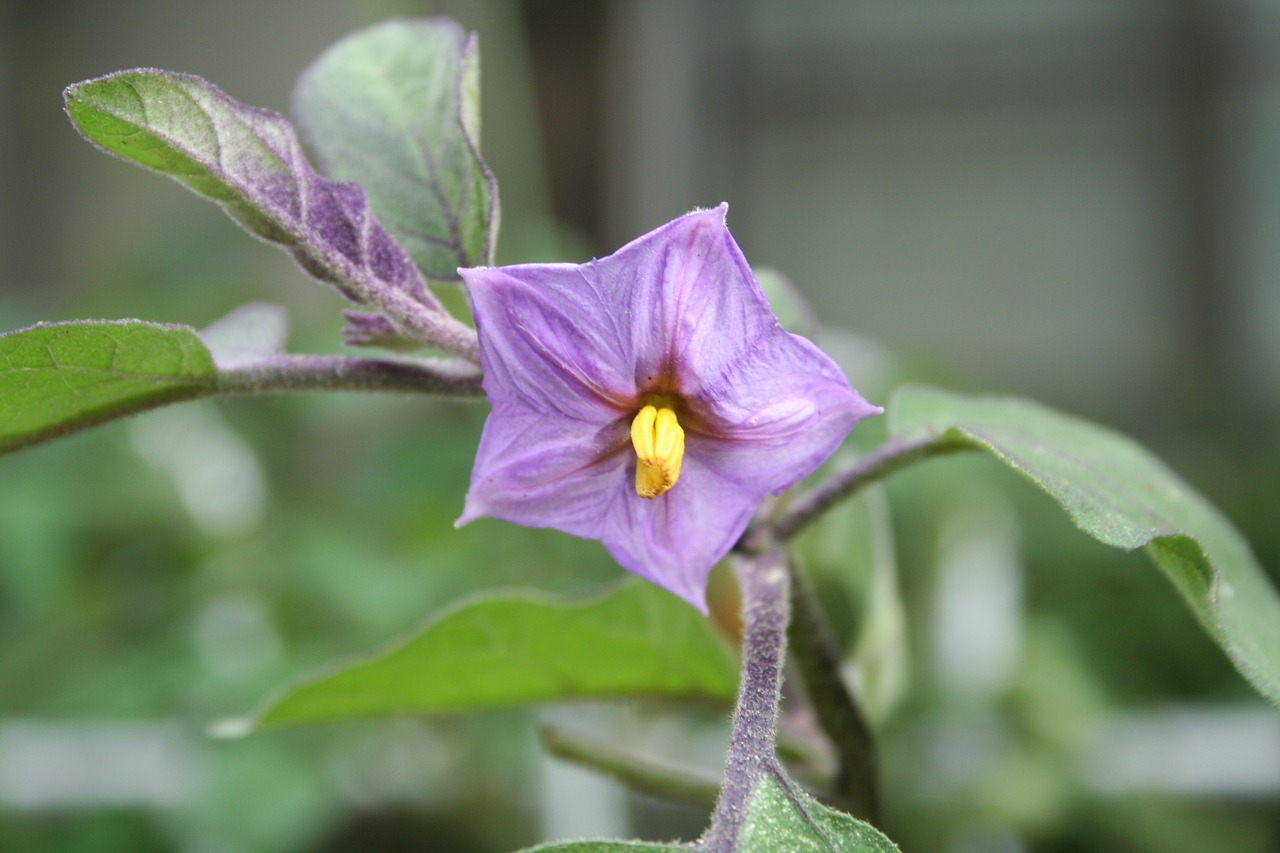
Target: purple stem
766	605
893	455
450	377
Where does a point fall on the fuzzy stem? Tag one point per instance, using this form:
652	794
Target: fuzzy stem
637	773
813	648
892	456
448	377
766	604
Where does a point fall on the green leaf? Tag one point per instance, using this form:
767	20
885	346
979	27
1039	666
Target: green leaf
514	649
396	107
780	819
63	377
1120	494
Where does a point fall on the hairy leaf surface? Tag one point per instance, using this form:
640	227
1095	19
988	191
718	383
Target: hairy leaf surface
1120	494
63	377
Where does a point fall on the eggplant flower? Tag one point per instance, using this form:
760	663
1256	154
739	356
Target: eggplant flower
649	399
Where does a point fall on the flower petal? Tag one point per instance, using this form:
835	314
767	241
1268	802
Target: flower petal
550	340
777	415
569	353
546	471
676	539
694	307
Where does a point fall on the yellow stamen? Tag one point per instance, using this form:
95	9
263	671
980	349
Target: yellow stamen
659	443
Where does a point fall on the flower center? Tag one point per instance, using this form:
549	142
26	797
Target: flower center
659	443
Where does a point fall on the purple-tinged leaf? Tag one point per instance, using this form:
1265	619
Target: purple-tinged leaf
251	163
396	107
63	377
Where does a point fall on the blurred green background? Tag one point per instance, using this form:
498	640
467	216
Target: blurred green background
1072	201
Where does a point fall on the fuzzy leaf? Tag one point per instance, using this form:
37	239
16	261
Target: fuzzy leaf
515	649
797	823
251	163
1120	494
63	377
396	107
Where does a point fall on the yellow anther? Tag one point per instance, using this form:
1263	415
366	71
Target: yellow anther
659	443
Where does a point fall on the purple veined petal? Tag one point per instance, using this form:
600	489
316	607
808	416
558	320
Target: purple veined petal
676	539
545	471
550	339
778	415
694	305
569	352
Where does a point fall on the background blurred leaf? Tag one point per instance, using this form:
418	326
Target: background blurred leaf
1120	494
606	847
849	556
788	303
249	333
251	163
396	107
516	649
63	377
797	823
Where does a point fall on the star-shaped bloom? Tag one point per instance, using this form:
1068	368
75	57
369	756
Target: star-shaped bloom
649	399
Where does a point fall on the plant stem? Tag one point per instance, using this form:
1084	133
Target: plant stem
891	456
637	773
855	788
449	377
766	604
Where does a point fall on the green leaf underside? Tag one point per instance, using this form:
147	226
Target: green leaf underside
63	377
775	821
396	108
521	648
1120	494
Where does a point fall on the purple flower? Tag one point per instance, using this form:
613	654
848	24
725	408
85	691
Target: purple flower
650	400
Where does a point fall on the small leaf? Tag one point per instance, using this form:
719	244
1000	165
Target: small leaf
396	108
515	649
63	377
251	163
1120	494
370	329
780	819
